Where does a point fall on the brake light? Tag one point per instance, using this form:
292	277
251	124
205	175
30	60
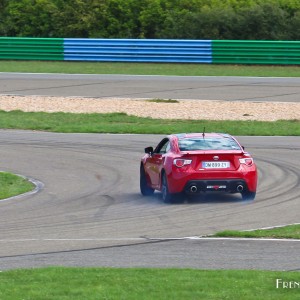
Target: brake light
246	161
179	162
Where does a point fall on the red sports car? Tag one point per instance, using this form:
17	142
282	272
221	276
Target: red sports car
198	162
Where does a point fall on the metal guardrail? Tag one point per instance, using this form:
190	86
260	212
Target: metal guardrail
151	50
31	48
256	52
143	50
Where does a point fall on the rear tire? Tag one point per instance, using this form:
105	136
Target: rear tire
166	196
145	189
248	196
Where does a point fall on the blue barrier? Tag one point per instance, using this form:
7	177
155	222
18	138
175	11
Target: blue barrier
133	50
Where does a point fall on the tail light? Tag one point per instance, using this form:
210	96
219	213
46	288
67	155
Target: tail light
247	161
179	162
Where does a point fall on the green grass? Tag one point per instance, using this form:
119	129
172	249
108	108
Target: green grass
12	185
286	232
122	123
148	69
107	283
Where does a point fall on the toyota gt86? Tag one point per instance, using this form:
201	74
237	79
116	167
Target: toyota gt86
197	163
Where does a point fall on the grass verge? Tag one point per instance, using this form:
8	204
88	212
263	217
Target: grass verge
106	283
122	123
12	185
286	232
148	69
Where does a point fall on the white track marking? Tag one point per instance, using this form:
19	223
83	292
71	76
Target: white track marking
149	239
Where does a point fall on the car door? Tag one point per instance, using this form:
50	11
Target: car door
156	161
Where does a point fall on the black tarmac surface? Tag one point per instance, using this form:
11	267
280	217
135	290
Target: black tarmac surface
90	211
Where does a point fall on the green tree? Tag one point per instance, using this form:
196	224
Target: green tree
263	22
117	19
152	18
184	19
294	27
29	18
72	18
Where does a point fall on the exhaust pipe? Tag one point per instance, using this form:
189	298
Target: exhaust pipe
193	189
239	188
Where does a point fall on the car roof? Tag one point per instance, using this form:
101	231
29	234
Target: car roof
208	134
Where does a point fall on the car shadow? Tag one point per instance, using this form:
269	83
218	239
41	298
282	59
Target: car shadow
214	197
202	198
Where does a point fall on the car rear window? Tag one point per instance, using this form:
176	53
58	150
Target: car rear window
199	143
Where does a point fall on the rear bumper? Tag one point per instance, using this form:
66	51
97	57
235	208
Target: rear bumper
181	181
227	185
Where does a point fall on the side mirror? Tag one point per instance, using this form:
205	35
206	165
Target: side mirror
149	150
243	147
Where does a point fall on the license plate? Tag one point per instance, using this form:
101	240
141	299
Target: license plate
215	164
216	187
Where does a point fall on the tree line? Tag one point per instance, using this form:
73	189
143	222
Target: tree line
173	19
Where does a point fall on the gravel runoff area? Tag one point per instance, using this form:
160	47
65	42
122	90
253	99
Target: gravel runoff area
184	109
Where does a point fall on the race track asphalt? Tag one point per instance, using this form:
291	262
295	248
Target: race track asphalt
90	211
166	87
